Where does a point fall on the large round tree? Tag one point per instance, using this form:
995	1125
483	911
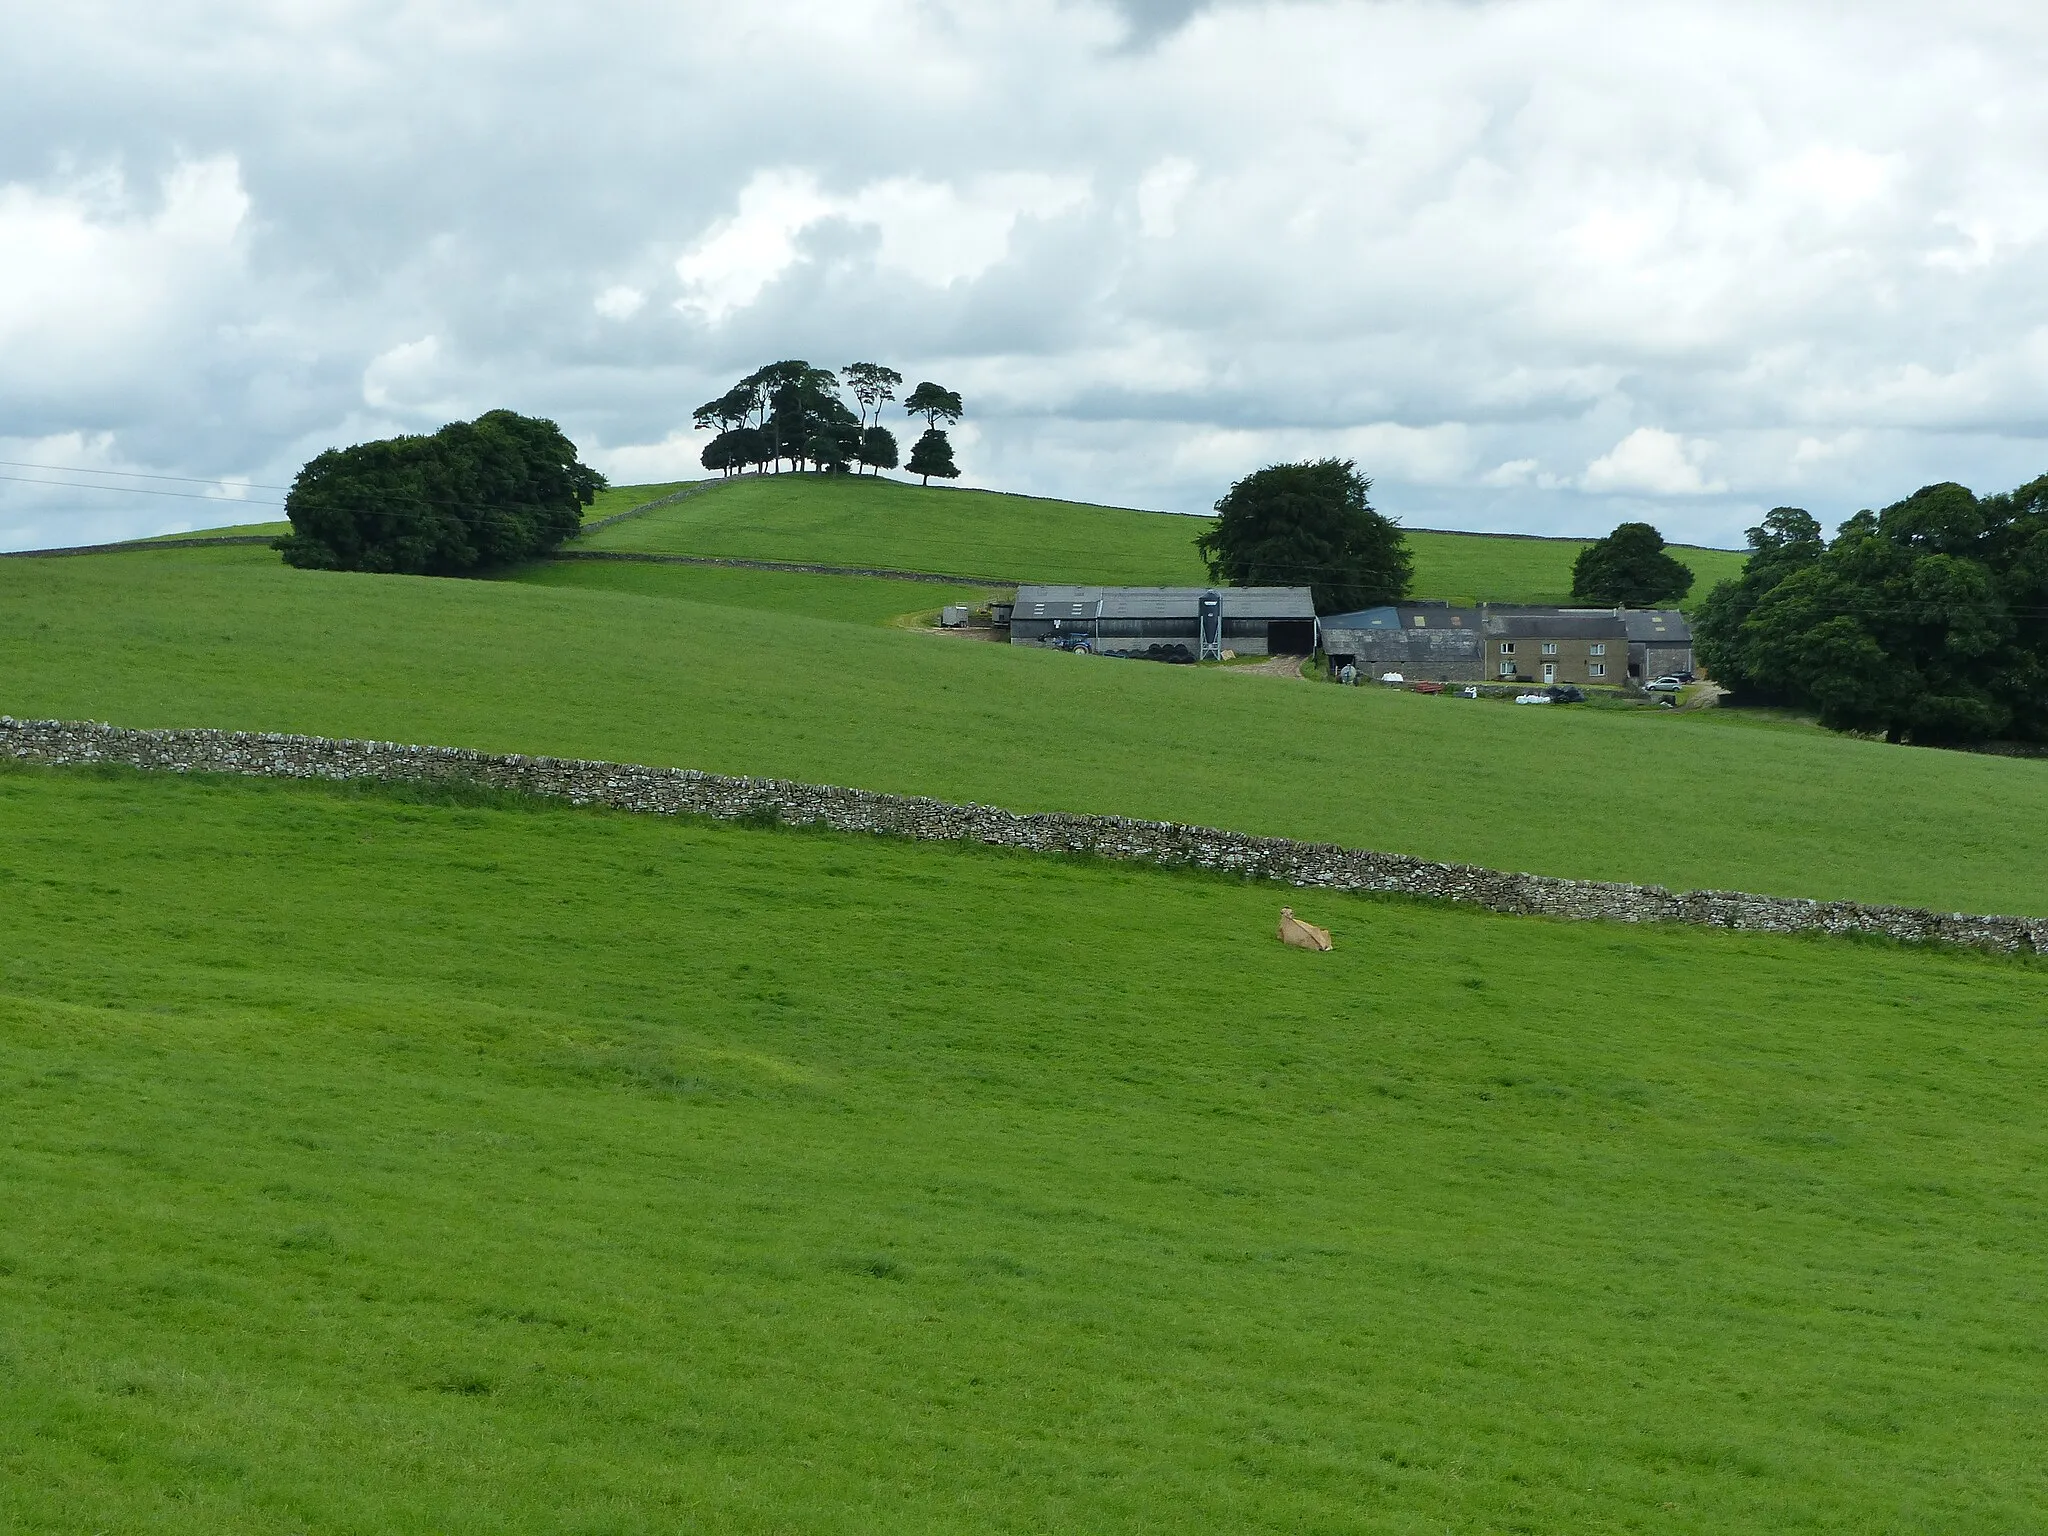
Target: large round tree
1309	525
1630	568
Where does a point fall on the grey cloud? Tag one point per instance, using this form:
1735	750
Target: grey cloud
1449	237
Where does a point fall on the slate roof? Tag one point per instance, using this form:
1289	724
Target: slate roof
1556	626
1406	616
1657	626
1061	602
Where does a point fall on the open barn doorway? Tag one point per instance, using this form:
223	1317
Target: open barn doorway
1291	637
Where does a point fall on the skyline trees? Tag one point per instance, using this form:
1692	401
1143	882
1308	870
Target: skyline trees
791	410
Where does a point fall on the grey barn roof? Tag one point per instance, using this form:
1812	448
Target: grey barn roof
1557	626
1060	602
1406	616
1657	626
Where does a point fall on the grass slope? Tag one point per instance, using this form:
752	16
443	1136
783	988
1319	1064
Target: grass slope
876	522
428	1167
613	500
233	638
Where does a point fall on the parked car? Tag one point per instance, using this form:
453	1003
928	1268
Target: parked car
1669	683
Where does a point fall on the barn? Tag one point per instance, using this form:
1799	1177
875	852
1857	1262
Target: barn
1167	623
1431	642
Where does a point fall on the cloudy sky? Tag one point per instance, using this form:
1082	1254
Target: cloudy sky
1537	265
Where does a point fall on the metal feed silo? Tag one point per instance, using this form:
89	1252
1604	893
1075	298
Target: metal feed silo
1210	611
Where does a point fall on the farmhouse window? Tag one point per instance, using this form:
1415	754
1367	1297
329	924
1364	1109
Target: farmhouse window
1598	648
1550	647
1507	647
1596	669
1507	669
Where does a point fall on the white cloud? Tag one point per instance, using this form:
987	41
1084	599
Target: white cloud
1656	463
412	379
741	255
619	302
1160	194
93	279
935	232
1513	473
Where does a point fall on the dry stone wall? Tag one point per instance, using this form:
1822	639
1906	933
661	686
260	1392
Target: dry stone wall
685	791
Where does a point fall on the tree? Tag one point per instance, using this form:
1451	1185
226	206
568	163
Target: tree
475	494
728	451
873	386
934	404
1310	525
1788	540
1629	569
1926	622
878	448
933	455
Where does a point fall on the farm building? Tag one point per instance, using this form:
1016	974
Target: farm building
1659	642
1556	646
1176	623
1424	642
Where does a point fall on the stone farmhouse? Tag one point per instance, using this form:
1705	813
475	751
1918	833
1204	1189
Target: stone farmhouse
1495	643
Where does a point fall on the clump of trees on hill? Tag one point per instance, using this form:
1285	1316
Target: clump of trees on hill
792	411
475	494
1630	568
1309	525
1926	622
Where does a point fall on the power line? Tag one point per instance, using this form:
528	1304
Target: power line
133	474
147	490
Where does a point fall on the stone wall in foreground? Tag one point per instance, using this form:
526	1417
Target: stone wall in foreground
684	791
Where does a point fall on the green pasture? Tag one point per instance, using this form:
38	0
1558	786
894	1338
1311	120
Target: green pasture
233	530
845	599
843	520
590	662
387	1163
623	498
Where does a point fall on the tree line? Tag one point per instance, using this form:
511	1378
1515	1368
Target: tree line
794	412
1925	622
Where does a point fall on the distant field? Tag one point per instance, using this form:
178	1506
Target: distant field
845	599
842	521
377	1166
591	663
623	498
232	530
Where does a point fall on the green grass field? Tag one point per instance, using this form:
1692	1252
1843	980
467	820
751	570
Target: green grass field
593	662
385	1165
623	498
876	522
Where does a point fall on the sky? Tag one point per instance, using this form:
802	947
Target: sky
1536	266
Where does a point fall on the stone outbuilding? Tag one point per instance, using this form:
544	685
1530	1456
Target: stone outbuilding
1424	642
1659	642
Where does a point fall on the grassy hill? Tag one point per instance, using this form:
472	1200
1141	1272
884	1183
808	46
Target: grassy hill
761	678
876	522
376	1165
